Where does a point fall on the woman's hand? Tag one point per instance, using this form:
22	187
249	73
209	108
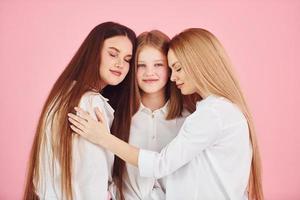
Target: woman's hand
84	125
96	132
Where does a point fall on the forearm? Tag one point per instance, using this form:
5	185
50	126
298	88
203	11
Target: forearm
123	150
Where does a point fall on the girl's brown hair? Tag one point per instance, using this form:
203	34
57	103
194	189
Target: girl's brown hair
159	41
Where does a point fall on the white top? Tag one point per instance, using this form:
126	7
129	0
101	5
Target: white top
149	130
209	159
92	165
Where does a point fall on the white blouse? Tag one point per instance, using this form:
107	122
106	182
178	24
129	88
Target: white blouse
149	130
209	159
92	165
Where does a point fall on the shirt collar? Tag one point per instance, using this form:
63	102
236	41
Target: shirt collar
103	98
208	98
163	109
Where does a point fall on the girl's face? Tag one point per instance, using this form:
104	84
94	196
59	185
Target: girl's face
152	70
116	54
179	76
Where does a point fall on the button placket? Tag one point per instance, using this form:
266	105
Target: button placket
154	131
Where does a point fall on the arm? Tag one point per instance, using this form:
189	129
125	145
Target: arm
90	162
198	132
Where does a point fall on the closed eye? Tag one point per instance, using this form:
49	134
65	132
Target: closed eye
113	54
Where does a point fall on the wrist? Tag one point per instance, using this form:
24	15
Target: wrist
104	140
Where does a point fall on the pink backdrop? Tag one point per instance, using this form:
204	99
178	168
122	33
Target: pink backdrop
38	39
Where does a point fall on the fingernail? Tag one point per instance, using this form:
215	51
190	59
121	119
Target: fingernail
76	108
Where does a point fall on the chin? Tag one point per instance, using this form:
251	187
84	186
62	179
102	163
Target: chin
184	92
114	83
150	90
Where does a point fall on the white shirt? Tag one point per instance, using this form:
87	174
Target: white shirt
209	159
92	165
149	130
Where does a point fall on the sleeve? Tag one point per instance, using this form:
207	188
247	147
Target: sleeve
91	165
198	132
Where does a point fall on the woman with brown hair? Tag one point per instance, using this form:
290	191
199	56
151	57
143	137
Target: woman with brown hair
215	154
63	165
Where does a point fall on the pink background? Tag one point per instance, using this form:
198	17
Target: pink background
263	39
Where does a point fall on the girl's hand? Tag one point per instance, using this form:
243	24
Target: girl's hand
84	125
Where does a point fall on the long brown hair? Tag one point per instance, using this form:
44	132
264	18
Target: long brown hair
205	61
80	76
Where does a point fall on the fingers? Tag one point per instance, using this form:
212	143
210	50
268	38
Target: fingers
78	131
99	115
83	114
78	119
77	124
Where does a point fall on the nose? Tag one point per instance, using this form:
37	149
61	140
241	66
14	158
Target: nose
173	76
119	63
149	71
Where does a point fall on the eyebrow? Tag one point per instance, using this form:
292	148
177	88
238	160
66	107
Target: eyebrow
114	48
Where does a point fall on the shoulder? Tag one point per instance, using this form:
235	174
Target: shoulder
222	109
93	96
95	99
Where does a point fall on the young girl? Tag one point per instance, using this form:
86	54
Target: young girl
215	154
160	114
63	165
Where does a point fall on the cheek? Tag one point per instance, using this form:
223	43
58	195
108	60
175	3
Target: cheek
126	68
106	61
181	75
139	74
103	72
164	74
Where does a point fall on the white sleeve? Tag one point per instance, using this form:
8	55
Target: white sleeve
197	133
91	166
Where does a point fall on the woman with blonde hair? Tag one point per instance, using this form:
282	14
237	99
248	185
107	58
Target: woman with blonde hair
215	154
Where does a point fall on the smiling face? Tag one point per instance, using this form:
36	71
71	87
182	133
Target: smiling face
179	76
152	70
115	60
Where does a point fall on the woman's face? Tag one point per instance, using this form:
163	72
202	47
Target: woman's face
115	60
179	76
152	70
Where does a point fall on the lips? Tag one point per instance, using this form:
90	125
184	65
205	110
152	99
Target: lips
115	72
150	80
179	85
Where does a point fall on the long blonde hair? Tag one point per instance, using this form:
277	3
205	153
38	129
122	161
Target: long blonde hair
205	61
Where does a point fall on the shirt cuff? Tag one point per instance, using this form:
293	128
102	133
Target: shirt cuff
146	163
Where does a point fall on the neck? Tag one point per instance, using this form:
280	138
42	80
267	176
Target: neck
154	101
102	85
